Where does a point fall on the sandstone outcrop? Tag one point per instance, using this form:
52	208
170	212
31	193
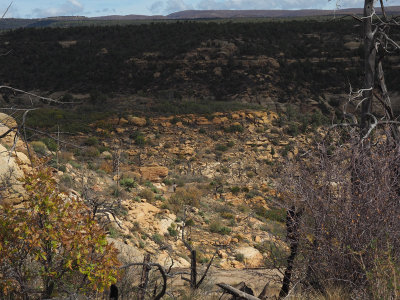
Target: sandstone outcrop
252	257
10	173
153	173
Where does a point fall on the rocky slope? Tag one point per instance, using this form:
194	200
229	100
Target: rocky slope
221	168
215	171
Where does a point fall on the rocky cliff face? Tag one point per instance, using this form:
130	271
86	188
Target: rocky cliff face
13	162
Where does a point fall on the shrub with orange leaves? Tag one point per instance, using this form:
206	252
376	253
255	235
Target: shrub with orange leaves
52	245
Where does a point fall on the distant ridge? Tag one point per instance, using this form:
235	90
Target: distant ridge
193	15
128	17
210	14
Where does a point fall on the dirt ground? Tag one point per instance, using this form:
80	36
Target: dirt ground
254	278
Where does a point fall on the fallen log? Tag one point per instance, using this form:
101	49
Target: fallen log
235	292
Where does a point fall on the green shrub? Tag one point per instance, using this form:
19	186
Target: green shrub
276	214
128	183
97	98
175	120
62	168
203	260
318	119
147	194
293	129
158	239
140	140
138	137
230	144
260	211
235	190
276	228
90	152
221	147
285	151
148	184
253	193
189	222
239	257
66	180
217	227
39	147
227	215
225	170
172	230
190	196
75	164
67	98
91	141
50	143
155	190
167	181
113	232
250	174
115	190
160	198
275	251
234	128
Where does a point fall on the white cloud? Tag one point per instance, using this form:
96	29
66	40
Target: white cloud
177	5
76	3
157	7
68	8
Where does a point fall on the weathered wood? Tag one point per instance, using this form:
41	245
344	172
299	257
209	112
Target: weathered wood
144	279
160	269
369	65
386	101
193	268
292	229
235	292
206	271
263	294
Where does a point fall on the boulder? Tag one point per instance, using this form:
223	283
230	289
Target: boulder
252	257
7	121
137	121
10	173
154	173
127	253
10	139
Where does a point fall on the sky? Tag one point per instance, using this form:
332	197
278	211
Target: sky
90	8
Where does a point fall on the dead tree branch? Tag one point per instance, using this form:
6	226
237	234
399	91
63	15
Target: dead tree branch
194	284
235	292
160	269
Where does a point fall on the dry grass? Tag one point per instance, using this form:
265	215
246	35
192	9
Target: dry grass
331	294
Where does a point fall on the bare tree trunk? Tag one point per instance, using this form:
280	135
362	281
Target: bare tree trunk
369	65
292	228
236	293
386	101
193	268
144	280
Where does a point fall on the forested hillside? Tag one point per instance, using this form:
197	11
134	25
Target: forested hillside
287	60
